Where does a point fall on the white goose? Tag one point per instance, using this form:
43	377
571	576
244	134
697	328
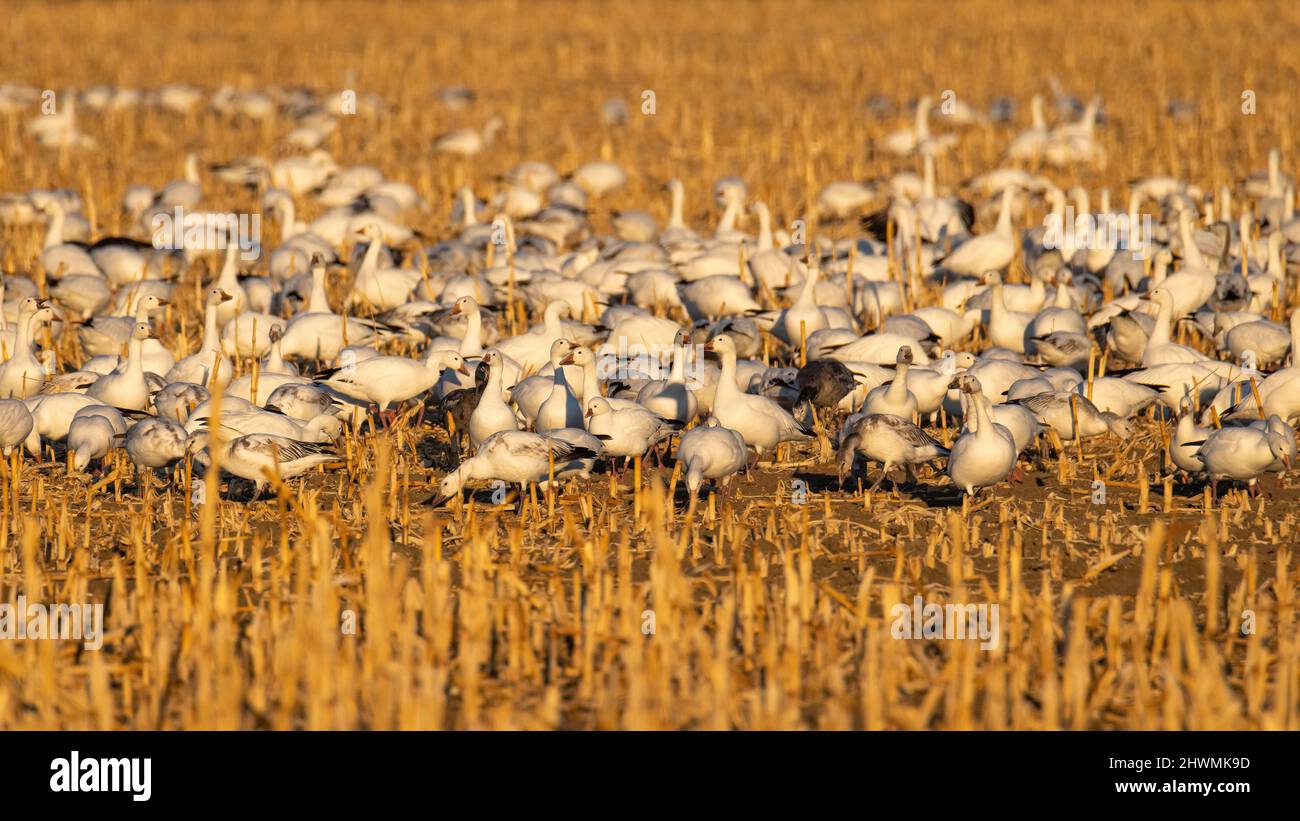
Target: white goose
23	374
894	398
260	456
985	453
209	365
381	288
492	415
887	439
320	334
93	434
711	451
384	380
626	431
1161	349
1185	444
562	408
762	422
513	456
126	388
15	424
986	252
1245	453
532	349
672	398
156	443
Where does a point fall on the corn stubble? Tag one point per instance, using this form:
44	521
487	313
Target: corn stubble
343	603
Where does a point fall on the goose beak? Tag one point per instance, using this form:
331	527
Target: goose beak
438	500
163	302
568	360
225	297
455	310
461	369
708	346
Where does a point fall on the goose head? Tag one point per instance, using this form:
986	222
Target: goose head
142	331
598	406
448	360
464	305
904	357
580	355
560	348
721	344
450	486
1118	425
1277	445
216	296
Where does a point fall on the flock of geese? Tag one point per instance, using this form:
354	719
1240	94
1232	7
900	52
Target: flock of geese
721	349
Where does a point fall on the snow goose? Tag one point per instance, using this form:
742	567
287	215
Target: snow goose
22	374
887	439
126	388
15	424
249	333
60	258
584	358
322	428
259	457
1058	410
1006	328
1185	444
466	142
986	252
384	380
1160	349
824	383
769	264
228	281
300	401
492	415
1244	453
532	349
1263	341
319	333
52	416
93	435
627	431
209	364
763	422
1112	394
156	443
711	451
178	399
985	453
529	394
562	408
105	335
381	288
717	295
673	398
1029	144
877	349
1062	349
894	398
804	317
513	456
